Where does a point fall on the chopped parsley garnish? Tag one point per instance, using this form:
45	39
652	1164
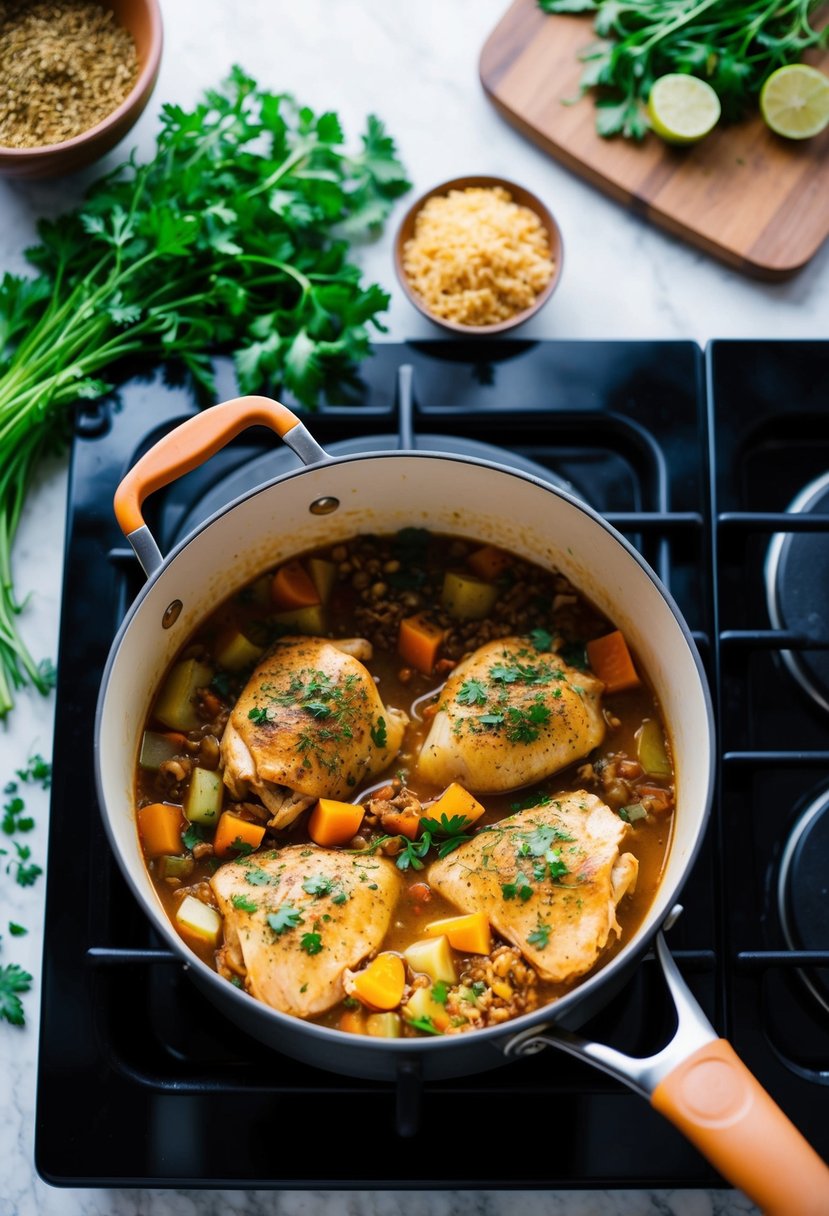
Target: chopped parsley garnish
472	692
320	884
243	903
318	709
425	1024
258	714
241	848
493	719
440	992
36	769
286	917
311	943
541	639
540	936
378	733
520	888
17	930
537	842
25	873
531	800
193	834
257	877
13	818
523	724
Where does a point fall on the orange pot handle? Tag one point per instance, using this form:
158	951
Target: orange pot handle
195	441
716	1102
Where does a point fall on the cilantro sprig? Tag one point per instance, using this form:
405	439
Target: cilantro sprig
732	44
233	239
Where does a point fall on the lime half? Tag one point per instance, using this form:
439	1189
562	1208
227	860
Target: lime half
682	108
794	101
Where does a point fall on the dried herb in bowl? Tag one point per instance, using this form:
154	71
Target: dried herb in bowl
64	66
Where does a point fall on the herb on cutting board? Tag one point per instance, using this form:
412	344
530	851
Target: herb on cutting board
732	44
233	239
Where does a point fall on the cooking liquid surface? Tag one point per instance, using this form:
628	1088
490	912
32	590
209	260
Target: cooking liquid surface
357	611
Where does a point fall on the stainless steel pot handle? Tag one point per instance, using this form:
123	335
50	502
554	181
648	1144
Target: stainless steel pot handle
189	446
699	1083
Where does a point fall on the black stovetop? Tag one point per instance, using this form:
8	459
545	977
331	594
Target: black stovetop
694	456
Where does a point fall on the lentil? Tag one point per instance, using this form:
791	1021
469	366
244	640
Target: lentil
64	66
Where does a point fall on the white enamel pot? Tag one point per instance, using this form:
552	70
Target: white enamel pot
696	1080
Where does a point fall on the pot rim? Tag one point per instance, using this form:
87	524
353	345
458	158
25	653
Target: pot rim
549	1014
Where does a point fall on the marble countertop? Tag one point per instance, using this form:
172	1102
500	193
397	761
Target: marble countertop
415	65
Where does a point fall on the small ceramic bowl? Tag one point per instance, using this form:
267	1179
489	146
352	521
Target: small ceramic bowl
519	195
143	20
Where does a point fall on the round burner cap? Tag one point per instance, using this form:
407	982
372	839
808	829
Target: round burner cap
797	590
803	890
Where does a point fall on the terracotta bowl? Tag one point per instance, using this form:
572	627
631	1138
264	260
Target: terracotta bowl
519	195
143	20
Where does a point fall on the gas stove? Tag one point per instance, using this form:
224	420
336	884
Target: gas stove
714	465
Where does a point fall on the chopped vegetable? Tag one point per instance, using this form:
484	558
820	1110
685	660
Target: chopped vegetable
419	641
324	576
454	801
384	1025
631	813
401	823
203	800
611	662
424	1012
489	563
236	835
310	620
332	822
466	598
293	587
157	747
380	985
160	826
199	920
175	867
233	239
650	749
353	1020
176	706
467	934
234	651
732	44
431	956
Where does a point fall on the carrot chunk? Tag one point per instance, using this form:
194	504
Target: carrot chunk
332	822
293	587
467	934
419	641
489	562
380	985
352	1021
160	826
232	832
611	662
454	800
401	823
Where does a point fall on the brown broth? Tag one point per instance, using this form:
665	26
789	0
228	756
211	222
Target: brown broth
356	608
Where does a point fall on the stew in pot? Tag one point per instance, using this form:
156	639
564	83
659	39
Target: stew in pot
408	785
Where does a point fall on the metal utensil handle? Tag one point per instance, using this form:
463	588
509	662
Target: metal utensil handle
699	1083
190	445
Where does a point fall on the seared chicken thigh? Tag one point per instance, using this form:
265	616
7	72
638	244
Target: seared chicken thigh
296	918
309	724
549	879
510	716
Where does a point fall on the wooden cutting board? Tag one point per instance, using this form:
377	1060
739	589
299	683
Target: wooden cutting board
758	202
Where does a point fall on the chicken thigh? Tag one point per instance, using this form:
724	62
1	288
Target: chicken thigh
296	918
509	716
309	724
549	879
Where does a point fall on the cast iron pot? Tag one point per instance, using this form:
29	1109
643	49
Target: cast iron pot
697	1080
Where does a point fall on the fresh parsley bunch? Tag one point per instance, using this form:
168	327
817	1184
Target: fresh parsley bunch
233	239
732	44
